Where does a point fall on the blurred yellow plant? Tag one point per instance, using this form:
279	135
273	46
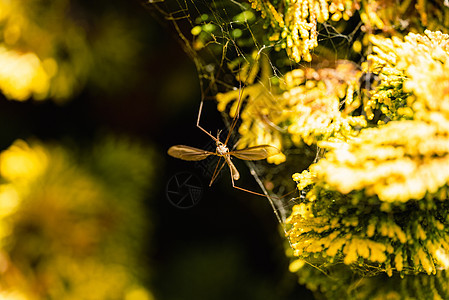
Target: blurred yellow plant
45	53
20	162
47	50
73	230
23	75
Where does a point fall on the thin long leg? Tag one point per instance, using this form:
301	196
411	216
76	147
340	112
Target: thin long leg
255	193
198	122
237	114
285	195
205	92
239	104
245	190
217	171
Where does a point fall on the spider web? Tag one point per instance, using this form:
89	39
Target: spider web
223	36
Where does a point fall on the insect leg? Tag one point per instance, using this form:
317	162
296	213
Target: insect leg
217	171
198	122
237	114
245	190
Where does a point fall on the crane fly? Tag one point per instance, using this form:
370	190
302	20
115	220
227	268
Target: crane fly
222	151
251	153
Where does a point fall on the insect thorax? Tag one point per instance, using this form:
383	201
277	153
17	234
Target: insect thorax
222	149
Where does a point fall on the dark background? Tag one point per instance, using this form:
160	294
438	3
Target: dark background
229	245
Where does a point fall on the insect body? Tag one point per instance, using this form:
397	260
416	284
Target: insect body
251	153
222	150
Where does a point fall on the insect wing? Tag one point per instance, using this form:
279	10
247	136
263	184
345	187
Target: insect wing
188	153
256	152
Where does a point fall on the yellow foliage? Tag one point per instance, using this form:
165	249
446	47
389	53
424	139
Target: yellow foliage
306	107
23	75
396	17
47	51
22	163
295	22
64	234
382	162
